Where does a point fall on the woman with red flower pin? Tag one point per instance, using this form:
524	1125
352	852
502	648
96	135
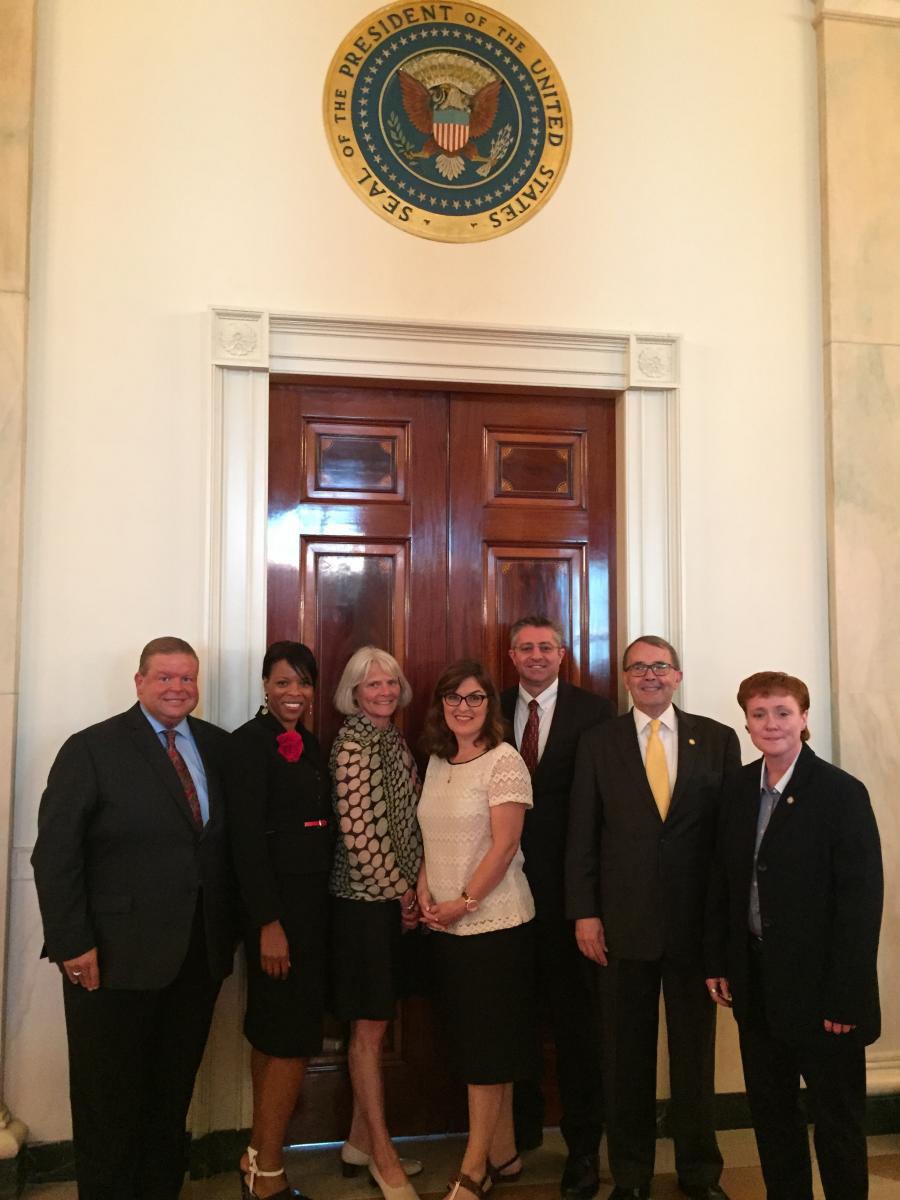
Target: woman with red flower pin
282	832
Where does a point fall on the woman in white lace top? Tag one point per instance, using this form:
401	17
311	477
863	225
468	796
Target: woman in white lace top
473	892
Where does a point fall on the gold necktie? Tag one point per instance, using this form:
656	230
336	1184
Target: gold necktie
657	770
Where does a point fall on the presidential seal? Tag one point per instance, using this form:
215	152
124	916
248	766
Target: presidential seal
448	120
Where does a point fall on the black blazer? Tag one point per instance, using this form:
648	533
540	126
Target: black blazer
544	832
280	815
119	862
820	885
644	877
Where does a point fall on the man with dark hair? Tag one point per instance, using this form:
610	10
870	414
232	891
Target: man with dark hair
547	717
134	884
640	845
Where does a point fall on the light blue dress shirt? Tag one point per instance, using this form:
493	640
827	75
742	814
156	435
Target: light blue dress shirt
187	748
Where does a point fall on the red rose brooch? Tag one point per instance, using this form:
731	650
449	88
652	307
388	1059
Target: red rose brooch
290	745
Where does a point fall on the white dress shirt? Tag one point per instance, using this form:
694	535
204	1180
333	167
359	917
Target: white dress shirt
668	735
546	708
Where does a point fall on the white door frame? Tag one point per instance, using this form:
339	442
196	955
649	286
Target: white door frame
248	345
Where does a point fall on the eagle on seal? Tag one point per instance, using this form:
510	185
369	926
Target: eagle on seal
451	114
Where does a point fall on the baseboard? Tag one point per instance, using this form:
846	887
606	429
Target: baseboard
218	1152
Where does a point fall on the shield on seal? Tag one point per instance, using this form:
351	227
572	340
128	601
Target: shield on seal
451	129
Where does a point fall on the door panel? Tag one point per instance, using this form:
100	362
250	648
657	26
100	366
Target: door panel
427	523
354	594
357	512
524	579
532	528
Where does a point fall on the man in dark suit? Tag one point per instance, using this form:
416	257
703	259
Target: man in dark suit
641	838
561	712
133	879
793	917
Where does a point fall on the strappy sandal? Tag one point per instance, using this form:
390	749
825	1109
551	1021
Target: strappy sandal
500	1174
467	1183
254	1173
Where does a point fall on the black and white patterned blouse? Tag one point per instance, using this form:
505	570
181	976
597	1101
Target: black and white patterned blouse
375	791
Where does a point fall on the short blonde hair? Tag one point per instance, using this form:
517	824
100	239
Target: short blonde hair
358	668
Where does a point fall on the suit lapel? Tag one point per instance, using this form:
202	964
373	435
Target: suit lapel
792	797
148	744
557	724
688	748
508	708
627	737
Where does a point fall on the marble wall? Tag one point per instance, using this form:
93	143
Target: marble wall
859	62
16	90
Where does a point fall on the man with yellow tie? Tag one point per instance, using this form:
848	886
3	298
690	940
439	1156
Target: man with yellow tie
641	830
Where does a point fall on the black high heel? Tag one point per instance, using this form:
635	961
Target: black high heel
500	1174
465	1183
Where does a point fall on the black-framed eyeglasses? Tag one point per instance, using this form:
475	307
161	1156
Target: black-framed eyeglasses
473	699
641	668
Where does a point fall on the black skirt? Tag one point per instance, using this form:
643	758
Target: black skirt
486	993
284	1016
366	959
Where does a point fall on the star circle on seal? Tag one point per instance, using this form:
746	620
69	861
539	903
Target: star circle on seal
448	120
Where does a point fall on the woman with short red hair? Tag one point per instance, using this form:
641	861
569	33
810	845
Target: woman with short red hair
793	920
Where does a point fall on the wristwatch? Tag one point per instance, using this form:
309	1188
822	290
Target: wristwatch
471	902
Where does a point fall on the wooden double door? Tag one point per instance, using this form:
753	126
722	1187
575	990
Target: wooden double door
427	521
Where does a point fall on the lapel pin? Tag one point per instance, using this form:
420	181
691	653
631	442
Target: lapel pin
691	742
790	800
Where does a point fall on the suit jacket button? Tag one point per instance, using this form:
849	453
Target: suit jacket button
760	866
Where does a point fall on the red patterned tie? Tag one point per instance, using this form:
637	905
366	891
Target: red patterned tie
190	792
529	747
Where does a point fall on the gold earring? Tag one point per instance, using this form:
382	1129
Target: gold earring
265	703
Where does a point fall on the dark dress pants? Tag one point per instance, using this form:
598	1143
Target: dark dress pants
629	1028
567	995
133	1056
834	1068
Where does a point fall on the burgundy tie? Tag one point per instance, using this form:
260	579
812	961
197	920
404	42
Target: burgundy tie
190	792
529	747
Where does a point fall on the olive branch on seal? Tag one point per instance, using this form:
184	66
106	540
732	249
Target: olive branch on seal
401	142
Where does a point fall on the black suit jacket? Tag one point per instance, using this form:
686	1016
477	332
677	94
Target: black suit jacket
279	813
544	832
644	877
820	895
119	862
